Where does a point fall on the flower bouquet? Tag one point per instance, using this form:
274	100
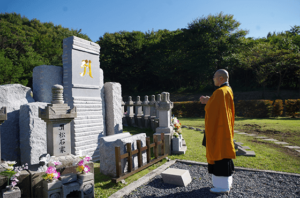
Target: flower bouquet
51	174
82	167
176	125
12	173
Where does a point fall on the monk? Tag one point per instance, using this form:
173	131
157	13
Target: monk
219	123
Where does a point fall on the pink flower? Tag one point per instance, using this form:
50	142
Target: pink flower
56	163
13	183
80	163
86	169
50	170
56	175
87	159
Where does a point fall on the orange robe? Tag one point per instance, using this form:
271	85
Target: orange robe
219	123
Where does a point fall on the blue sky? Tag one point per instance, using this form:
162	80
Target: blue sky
96	17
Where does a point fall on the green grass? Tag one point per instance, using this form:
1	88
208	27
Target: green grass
281	128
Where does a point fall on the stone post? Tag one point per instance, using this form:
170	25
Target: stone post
152	112
138	112
3	117
157	110
130	113
146	112
124	120
164	108
58	116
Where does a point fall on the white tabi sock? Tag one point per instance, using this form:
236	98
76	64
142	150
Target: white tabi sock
222	182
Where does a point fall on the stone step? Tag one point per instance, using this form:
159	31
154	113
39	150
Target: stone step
178	177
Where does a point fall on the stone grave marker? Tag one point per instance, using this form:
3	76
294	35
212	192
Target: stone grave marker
83	89
58	116
178	177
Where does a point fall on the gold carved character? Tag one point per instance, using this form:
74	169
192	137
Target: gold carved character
85	64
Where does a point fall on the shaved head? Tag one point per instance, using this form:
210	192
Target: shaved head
223	73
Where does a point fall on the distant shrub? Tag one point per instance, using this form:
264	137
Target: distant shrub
277	108
188	109
254	108
292	107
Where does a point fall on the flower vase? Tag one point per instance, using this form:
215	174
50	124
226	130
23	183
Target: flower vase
176	144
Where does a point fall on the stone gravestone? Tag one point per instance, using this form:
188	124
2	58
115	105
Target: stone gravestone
83	89
12	96
164	109
3	117
33	134
114	112
43	78
58	116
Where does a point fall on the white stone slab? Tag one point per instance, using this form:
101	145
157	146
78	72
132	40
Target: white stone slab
114	113
293	147
298	151
12	96
242	133
245	147
43	78
261	137
33	133
281	143
273	140
251	134
178	177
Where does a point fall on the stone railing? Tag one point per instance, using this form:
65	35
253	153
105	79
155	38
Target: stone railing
145	114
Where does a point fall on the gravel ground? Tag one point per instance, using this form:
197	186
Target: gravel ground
245	184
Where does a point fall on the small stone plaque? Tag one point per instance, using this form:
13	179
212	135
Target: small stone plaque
176	176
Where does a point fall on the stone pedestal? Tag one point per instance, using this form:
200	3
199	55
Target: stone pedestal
176	144
58	117
15	193
130	113
138	112
52	189
146	116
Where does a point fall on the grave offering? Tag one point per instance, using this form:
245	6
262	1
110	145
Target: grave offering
83	89
178	177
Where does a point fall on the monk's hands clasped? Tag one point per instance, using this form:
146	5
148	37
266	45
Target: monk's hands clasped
204	99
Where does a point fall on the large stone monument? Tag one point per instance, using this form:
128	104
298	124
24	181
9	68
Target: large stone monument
83	89
58	116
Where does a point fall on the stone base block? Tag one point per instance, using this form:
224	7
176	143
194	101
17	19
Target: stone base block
176	144
139	121
247	153
178	177
168	140
107	151
182	149
16	193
